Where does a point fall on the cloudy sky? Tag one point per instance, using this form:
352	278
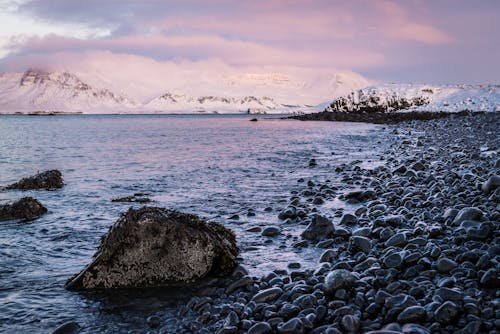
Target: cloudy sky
438	41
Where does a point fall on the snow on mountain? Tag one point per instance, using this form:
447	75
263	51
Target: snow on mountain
172	103
56	91
419	97
228	93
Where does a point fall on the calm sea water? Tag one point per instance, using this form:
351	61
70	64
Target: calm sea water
215	166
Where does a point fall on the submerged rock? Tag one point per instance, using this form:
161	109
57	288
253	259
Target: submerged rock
51	179
27	208
152	246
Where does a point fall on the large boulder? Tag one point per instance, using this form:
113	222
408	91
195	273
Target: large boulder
27	208
51	179
151	247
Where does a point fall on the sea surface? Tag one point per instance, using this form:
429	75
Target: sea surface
214	166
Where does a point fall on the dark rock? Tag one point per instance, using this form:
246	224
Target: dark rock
412	314
271	231
339	279
398	239
260	328
393	261
491	279
27	208
350	323
491	184
292	326
318	229
446	313
348	219
152	246
69	327
51	179
153	321
132	199
468	214
414	329
361	243
449	294
241	282
328	255
445	265
267	295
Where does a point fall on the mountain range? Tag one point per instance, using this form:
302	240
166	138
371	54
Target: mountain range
42	91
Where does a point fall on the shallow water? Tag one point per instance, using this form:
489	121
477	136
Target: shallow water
215	166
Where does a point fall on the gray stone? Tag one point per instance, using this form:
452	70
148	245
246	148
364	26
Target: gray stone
491	279
151	247
348	219
361	243
449	294
468	214
318	229
446	313
398	239
328	256
412	314
414	329
292	326
491	184
27	208
339	279
260	328
445	265
350	323
393	260
271	231
268	295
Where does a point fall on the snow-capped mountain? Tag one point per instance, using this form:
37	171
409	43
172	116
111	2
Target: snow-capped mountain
172	103
36	90
419	97
57	91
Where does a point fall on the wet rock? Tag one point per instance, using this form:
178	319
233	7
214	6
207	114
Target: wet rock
339	279
27	208
398	239
445	265
241	282
271	231
153	246
360	243
292	326
393	260
449	294
491	279
51	179
268	295
446	313
136	198
412	314
348	219
320	228
358	196
69	327
328	256
260	328
153	321
469	213
350	323
414	329
491	184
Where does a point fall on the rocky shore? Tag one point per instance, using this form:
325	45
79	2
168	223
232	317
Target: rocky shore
378	116
419	253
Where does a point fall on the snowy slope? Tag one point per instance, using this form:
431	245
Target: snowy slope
419	97
37	90
57	91
172	103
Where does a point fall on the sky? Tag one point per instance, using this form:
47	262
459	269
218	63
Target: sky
434	41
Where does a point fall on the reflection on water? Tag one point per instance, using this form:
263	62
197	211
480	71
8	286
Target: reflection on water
213	166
